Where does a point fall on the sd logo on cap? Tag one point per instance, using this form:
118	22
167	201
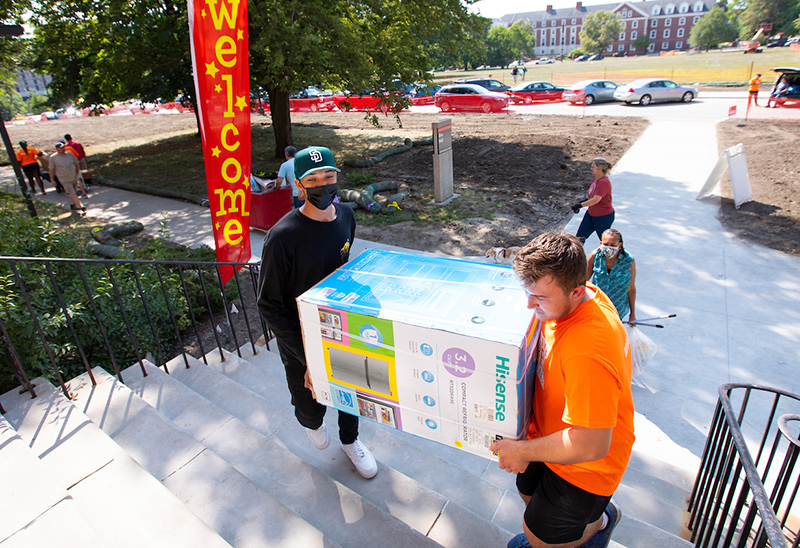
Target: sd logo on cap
313	159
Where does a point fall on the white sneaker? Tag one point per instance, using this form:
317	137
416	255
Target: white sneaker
319	437
361	458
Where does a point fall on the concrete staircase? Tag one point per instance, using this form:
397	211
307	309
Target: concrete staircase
212	456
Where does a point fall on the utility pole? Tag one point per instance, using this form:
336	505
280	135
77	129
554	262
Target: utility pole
15	30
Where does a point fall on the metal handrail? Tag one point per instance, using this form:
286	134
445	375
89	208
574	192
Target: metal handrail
729	496
150	296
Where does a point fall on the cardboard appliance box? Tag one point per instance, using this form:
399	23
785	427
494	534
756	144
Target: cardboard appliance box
434	346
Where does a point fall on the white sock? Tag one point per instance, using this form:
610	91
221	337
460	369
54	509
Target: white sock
605	522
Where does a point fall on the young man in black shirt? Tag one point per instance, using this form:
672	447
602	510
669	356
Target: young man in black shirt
301	249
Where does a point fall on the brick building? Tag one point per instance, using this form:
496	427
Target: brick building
29	83
666	23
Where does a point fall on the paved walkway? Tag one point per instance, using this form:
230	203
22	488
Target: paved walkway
738	304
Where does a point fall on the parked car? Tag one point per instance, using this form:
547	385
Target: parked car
528	92
596	57
489	83
364	101
582	58
789	81
311	99
470	97
590	91
654	90
424	95
544	61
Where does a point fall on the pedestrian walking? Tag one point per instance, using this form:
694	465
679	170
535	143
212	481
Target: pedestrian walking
600	211
611	268
65	167
755	83
514	73
28	158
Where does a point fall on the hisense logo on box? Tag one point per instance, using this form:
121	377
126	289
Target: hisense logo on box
501	372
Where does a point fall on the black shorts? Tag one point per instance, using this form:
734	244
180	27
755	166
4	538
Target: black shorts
31	168
558	511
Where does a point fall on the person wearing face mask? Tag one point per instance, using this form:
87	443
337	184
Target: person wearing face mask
611	268
302	248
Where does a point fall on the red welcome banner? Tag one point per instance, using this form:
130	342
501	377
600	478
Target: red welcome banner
218	33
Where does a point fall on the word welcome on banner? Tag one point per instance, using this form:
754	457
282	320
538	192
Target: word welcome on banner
218	33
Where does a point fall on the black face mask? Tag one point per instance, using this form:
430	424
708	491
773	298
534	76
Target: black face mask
321	197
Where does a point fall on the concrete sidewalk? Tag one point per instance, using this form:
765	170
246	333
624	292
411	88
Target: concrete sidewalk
738	304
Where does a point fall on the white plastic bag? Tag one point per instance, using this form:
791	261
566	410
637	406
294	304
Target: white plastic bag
642	348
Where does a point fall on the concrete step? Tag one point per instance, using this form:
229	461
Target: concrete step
35	510
266	461
100	476
414	502
653	493
241	512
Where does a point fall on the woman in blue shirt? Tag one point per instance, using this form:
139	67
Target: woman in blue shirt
611	268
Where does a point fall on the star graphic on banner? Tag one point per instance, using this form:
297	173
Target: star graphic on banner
211	69
240	34
245	180
215	152
241	104
203	13
217	225
218	88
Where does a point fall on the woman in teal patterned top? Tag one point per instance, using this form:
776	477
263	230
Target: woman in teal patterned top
611	268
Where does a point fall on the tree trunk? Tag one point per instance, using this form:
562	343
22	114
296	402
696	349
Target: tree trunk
281	120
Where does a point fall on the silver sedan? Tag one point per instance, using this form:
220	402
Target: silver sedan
653	90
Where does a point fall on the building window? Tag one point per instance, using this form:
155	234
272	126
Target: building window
635	25
695	20
678	45
654	23
634	34
573	20
621	47
624	25
698	6
633	48
533	24
610	49
666	33
572	41
682	21
664	45
667	22
656	10
651	47
552	41
684	8
652	34
553	23
670	9
680	33
621	36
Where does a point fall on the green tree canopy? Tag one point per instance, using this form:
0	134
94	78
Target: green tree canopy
780	13
600	31
507	44
712	29
642	42
11	47
99	51
360	45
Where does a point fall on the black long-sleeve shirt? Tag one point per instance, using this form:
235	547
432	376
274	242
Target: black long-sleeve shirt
299	252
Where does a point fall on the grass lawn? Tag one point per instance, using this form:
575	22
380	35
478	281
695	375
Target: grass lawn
704	68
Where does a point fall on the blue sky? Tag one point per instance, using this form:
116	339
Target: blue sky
499	8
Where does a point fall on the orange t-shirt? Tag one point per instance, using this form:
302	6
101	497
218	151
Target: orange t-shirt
755	82
29	158
584	379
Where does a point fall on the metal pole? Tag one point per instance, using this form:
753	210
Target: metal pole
17	170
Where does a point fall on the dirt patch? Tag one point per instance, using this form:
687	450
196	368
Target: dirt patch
517	176
772	219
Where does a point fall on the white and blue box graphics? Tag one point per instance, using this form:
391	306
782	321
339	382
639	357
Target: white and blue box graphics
434	346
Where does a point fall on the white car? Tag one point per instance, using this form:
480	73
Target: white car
654	90
544	61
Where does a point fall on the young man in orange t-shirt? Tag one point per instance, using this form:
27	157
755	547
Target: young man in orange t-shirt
582	427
